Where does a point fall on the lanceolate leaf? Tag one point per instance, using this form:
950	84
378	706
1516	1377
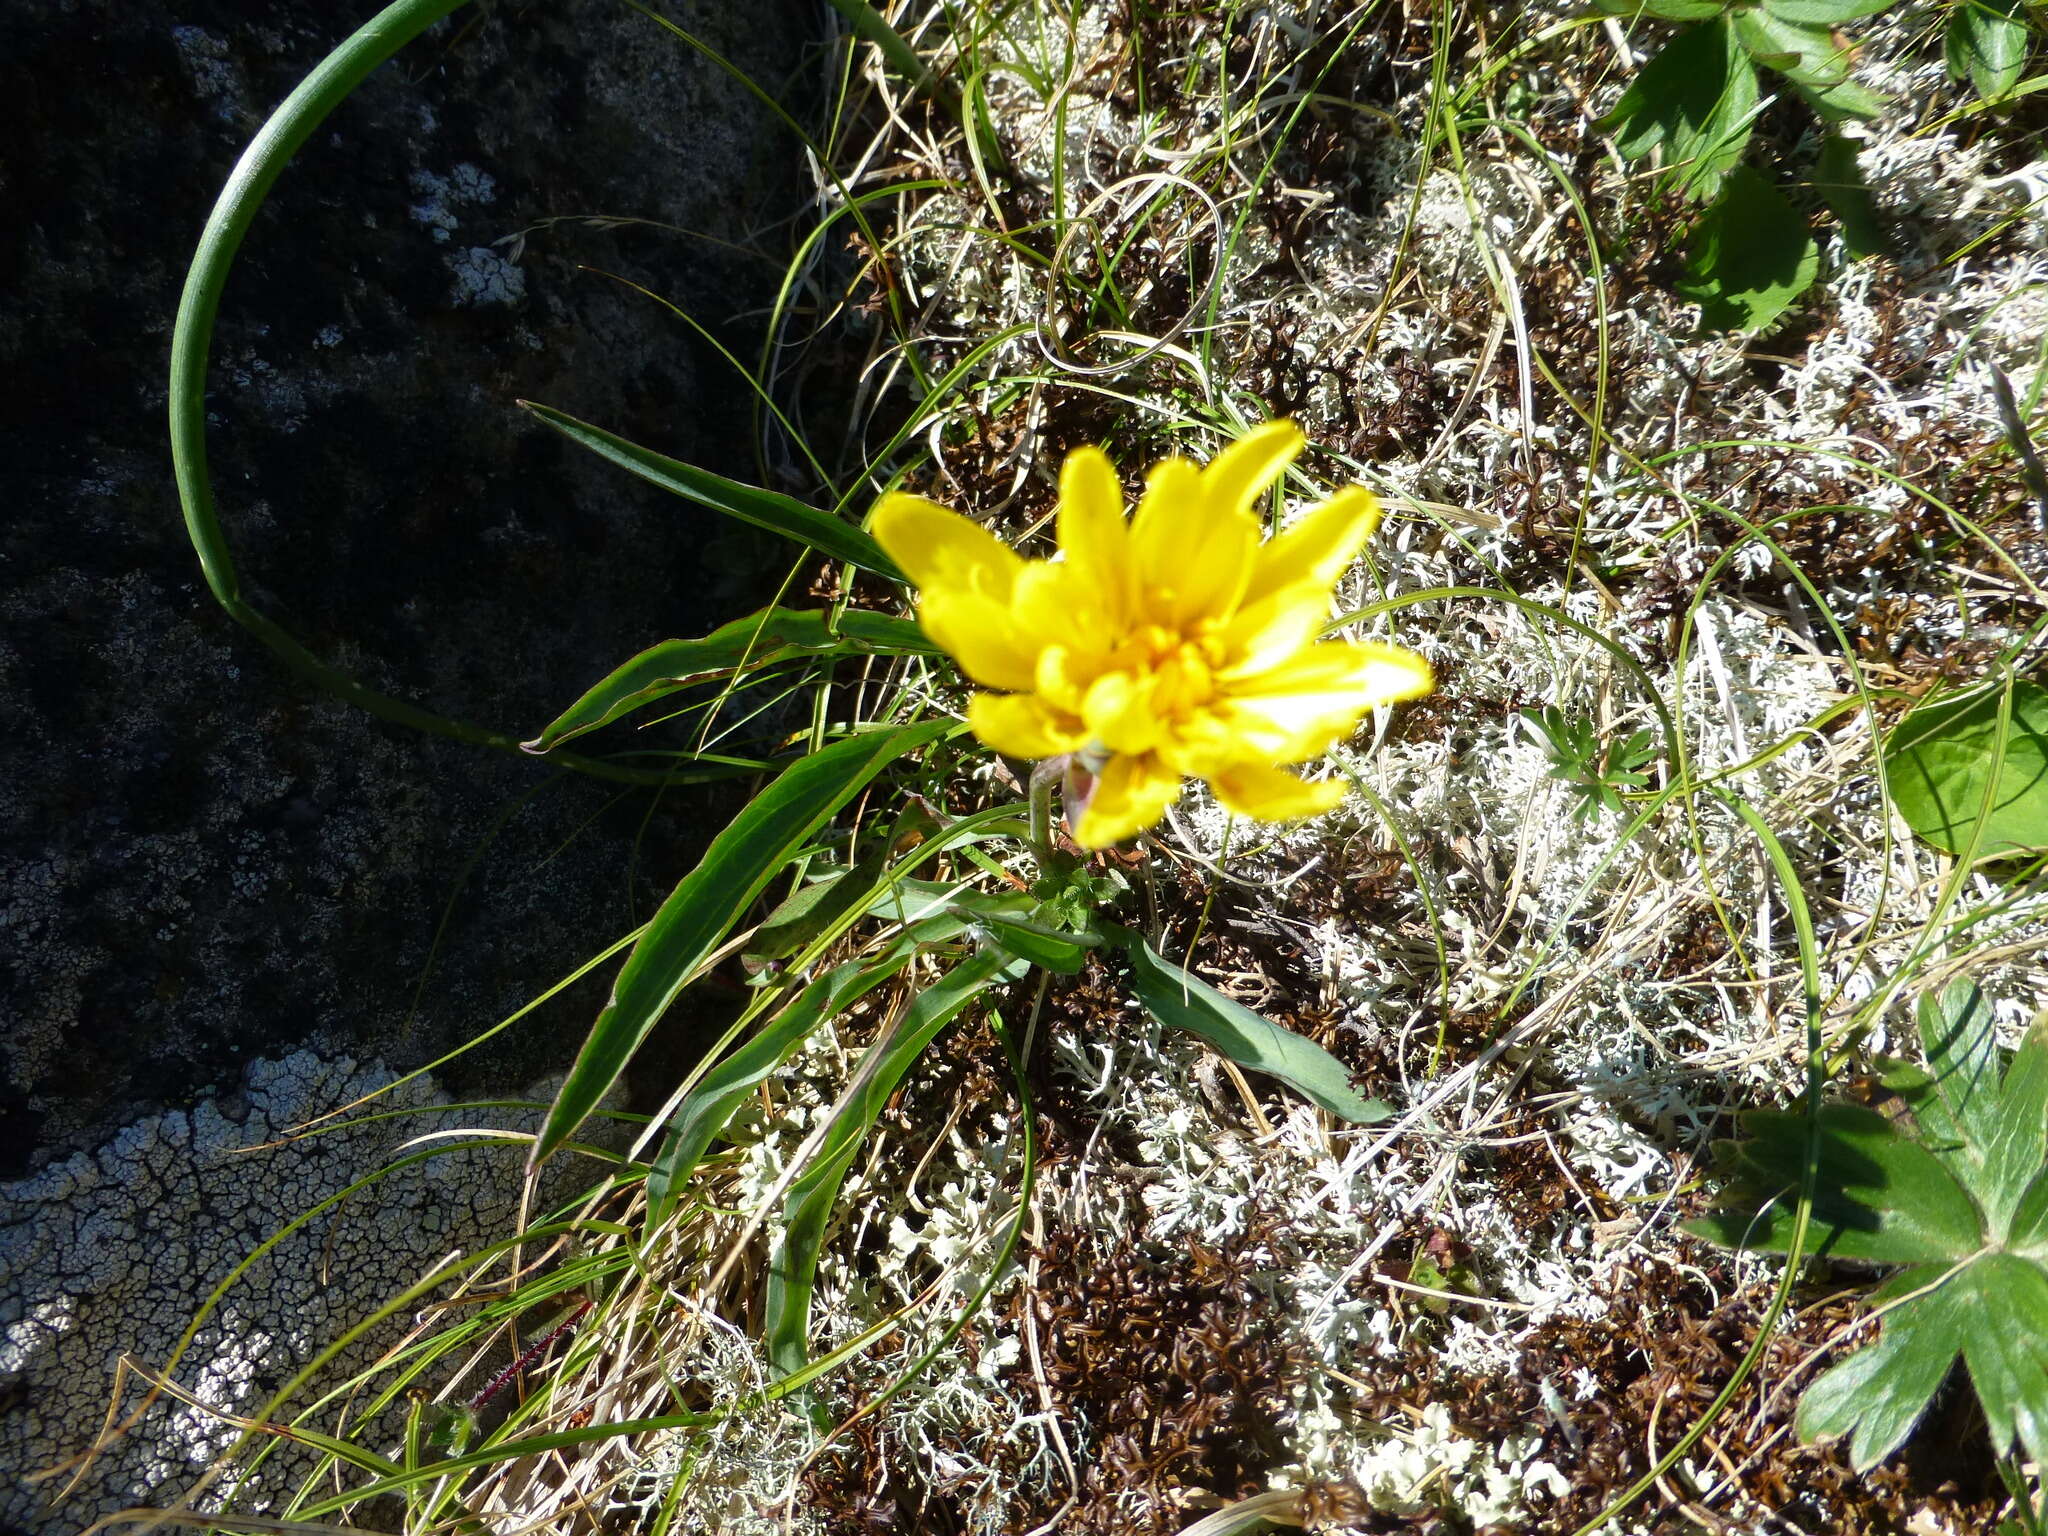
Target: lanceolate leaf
1752	256
758	640
710	901
749	503
1665	10
786	1302
1182	1001
1941	760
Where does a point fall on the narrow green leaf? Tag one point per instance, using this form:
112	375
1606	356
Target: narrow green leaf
1986	44
704	1113
749	503
1939	763
1839	179
1877	1394
1752	256
807	1208
1182	1001
1694	100
1878	1195
759	640
711	899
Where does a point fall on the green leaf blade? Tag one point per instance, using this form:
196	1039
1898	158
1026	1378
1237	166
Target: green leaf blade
1986	43
708	903
1942	762
1182	1001
807	1207
1752	256
748	503
759	640
1695	100
1878	1394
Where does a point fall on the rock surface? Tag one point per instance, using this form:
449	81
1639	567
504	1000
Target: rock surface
202	861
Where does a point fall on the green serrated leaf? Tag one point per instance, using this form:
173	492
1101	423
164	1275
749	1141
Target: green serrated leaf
1752	256
1878	1393
1939	765
1695	101
1986	43
1959	1037
709	902
748	503
1878	1195
1183	1001
757	641
1839	179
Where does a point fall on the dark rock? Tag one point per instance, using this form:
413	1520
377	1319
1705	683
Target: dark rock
204	859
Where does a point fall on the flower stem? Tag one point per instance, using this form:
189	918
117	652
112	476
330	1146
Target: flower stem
1044	776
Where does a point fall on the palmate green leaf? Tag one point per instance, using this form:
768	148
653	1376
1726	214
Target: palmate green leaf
1879	1195
759	640
749	503
1182	1001
1694	100
1752	256
1986	43
807	1207
1877	1394
710	901
1943	758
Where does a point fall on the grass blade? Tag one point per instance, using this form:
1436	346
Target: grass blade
709	902
749	503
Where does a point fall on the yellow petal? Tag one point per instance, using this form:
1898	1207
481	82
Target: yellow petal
980	638
1093	534
1058	680
1296	710
1273	794
1130	795
1018	725
1119	713
941	551
1250	465
1191	554
1266	632
1315	551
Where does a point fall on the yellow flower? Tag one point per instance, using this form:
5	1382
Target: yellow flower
1168	646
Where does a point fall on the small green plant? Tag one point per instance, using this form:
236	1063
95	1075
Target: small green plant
1952	1189
1598	772
1696	100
